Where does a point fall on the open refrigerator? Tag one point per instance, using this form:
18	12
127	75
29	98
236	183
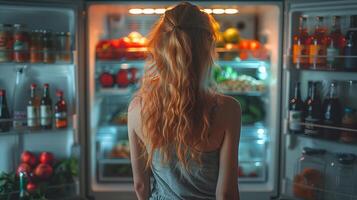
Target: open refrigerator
247	68
107	60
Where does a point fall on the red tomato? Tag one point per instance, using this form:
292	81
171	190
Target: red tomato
253	45
31	187
25	168
43	171
244	44
244	55
46	158
29	158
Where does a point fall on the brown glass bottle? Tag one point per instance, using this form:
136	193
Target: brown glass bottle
313	112
4	112
296	111
46	108
33	109
61	111
300	49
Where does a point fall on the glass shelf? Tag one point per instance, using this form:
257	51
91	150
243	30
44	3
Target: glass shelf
309	191
123	161
115	91
247	64
35	131
247	93
337	68
122	63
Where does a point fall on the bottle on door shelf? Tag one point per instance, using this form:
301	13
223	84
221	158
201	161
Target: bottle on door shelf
308	98
46	108
318	44
349	120
61	111
350	50
337	44
296	111
21	44
300	51
313	112
33	109
332	112
4	112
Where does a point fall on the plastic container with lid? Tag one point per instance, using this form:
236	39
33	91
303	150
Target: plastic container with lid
21	43
310	173
346	171
6	42
349	120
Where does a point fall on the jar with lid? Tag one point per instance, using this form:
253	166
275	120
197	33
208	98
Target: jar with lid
5	42
48	47
36	49
345	179
63	46
21	44
310	174
349	121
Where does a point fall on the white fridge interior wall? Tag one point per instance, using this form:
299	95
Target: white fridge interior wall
38	18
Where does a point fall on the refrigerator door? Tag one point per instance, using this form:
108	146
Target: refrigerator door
110	22
313	158
35	61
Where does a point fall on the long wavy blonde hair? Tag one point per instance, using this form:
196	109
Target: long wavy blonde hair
175	110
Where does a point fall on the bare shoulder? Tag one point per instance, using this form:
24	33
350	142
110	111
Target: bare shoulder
134	115
135	104
229	105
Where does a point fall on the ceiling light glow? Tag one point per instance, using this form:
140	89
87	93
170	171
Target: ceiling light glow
160	11
208	11
231	11
148	11
218	11
136	11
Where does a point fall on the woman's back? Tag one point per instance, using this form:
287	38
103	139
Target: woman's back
171	180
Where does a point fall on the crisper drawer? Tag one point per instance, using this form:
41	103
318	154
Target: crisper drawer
113	163
252	153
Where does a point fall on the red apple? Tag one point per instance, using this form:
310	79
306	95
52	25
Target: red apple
43	171
31	187
122	78
46	158
106	80
25	168
29	158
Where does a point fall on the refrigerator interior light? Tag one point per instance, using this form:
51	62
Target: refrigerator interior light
160	11
257	164
231	11
148	11
136	11
218	11
208	11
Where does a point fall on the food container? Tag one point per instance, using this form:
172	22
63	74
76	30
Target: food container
310	174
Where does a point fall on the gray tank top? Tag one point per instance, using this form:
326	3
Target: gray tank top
172	182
